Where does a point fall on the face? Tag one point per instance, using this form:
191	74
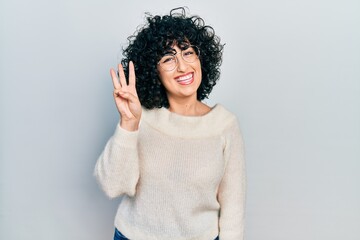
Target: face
183	81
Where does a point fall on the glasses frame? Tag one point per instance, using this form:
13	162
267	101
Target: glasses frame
196	49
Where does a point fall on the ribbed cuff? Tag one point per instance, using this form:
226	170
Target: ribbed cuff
125	138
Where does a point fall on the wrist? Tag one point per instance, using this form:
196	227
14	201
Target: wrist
129	125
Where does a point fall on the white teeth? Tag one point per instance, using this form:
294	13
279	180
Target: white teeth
184	78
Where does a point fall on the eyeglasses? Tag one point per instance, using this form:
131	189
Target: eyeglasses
169	61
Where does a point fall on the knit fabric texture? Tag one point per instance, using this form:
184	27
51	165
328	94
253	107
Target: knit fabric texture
179	177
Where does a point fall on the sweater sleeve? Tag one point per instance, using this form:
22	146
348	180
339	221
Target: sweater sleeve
231	193
117	169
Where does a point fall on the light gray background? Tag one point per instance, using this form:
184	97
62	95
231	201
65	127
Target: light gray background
291	74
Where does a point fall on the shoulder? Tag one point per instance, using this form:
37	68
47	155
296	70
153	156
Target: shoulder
223	116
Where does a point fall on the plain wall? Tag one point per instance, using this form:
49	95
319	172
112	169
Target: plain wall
291	73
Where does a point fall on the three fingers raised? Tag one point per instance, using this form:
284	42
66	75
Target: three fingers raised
119	80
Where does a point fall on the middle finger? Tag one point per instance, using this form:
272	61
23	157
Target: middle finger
122	76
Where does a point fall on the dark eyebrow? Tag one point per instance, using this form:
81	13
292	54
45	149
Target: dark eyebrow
185	46
169	51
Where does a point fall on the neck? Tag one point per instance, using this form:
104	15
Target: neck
188	107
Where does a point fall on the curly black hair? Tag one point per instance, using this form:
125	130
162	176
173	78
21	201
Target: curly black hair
155	38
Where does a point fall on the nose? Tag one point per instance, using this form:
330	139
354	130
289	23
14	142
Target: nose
182	65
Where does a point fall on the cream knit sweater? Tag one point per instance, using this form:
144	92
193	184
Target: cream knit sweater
181	177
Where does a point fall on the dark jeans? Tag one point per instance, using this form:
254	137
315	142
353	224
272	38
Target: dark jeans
119	236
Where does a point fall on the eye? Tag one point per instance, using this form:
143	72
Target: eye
167	59
189	52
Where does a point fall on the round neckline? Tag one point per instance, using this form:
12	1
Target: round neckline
178	115
210	124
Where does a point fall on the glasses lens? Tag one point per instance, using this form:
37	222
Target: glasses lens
190	54
168	62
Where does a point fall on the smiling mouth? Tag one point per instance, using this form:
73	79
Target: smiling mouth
185	79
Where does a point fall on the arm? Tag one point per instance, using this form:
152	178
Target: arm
231	194
117	169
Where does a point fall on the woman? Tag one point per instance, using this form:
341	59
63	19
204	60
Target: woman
177	163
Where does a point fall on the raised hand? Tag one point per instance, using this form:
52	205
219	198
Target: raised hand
126	98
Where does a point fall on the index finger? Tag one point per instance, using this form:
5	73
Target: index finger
132	77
